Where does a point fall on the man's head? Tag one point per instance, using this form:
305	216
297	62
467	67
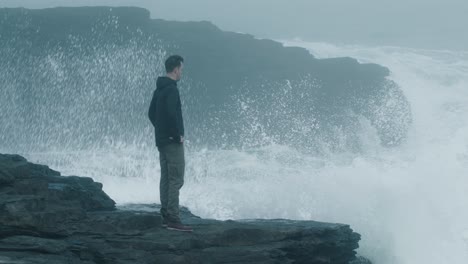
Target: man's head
174	65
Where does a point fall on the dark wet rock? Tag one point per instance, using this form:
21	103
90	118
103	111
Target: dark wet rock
38	197
98	66
361	260
49	218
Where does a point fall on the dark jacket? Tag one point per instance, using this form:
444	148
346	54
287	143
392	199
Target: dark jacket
165	112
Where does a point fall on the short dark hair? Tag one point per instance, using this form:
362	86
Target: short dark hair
173	62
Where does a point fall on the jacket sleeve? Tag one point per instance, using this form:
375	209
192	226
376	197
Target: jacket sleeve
152	110
174	110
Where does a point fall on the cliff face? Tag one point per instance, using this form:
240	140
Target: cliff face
74	75
49	218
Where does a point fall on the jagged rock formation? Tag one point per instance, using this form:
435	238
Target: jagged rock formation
92	70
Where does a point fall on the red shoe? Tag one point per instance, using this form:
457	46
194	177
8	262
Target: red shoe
178	227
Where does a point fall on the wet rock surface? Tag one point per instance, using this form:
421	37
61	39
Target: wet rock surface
49	218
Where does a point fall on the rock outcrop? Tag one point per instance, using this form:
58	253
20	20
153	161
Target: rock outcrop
52	219
93	70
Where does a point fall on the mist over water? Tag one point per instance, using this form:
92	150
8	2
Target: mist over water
408	203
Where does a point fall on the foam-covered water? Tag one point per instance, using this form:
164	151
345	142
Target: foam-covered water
409	203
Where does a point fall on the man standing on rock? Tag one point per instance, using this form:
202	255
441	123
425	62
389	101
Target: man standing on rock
165	113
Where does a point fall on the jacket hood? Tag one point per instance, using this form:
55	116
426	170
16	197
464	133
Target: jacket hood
164	82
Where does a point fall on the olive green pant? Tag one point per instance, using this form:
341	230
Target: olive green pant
172	161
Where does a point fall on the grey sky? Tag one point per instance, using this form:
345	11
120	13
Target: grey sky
424	23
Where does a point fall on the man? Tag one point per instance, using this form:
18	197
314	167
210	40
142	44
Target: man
165	114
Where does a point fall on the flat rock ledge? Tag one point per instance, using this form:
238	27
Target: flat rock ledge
48	218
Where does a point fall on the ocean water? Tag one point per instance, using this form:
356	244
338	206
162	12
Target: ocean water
417	193
409	203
